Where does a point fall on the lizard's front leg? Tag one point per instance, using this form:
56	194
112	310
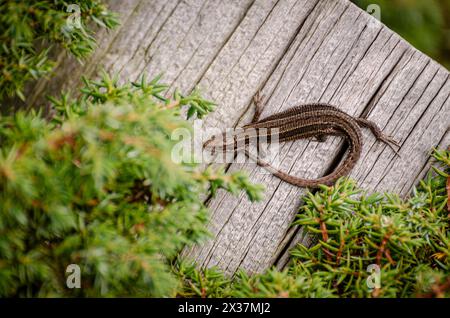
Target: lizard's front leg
258	102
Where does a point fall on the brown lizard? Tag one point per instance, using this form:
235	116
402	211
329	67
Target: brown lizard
305	121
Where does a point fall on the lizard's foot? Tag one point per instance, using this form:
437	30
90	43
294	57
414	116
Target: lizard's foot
363	122
258	101
391	142
207	147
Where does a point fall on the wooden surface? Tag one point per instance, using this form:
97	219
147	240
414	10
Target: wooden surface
294	51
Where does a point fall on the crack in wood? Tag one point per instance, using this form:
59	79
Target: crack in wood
292	50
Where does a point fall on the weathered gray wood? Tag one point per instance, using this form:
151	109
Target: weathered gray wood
294	51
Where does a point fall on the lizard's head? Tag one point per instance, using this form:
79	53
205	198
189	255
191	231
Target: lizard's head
222	142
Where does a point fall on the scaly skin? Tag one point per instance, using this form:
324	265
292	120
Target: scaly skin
305	121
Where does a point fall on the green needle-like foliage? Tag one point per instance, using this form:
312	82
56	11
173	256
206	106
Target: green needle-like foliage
407	239
96	186
29	28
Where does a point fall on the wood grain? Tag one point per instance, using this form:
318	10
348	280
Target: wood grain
294	51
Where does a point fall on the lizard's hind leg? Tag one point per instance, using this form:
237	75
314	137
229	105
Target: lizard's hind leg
388	140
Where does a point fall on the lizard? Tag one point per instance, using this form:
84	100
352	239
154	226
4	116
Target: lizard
308	120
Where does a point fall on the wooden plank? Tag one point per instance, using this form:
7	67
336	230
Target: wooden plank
294	51
416	148
156	37
348	59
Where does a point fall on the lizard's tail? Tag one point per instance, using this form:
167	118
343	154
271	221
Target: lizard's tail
343	169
